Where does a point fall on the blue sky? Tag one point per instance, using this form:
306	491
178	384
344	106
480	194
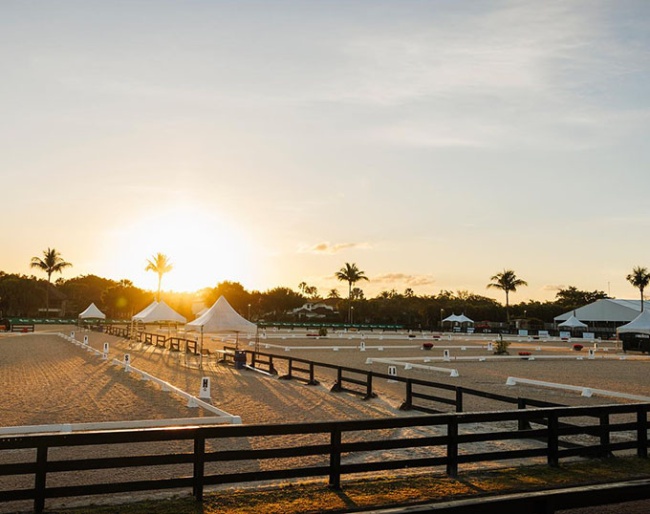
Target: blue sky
432	143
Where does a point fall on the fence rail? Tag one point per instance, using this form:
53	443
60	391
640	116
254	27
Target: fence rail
449	440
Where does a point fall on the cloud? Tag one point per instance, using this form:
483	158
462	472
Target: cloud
403	278
329	248
552	287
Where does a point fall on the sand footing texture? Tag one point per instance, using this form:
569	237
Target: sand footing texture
48	380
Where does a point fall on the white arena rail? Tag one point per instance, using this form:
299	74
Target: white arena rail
585	391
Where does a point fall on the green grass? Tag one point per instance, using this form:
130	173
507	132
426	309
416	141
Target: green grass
385	491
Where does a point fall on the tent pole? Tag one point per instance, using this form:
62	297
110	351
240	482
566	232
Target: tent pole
201	350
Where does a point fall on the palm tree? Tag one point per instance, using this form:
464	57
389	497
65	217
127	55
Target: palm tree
350	274
506	281
50	263
639	278
161	265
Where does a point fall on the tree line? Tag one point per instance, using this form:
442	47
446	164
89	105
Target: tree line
22	296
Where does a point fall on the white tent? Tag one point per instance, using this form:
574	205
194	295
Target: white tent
606	310
572	322
458	319
221	317
159	312
639	325
144	311
92	312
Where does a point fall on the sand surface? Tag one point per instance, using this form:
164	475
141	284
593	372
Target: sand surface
48	380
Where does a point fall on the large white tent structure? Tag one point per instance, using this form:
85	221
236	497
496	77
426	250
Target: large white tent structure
572	322
145	311
636	334
457	319
92	312
608	310
159	312
222	318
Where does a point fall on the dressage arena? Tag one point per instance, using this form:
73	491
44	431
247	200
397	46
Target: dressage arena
50	378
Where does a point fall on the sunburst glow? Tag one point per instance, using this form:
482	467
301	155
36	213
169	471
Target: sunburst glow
203	247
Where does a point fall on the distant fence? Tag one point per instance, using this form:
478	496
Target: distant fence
418	394
336	449
174	343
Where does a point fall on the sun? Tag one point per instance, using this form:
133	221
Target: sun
203	246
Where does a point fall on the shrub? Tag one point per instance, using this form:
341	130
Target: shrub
501	347
577	347
322	332
427	346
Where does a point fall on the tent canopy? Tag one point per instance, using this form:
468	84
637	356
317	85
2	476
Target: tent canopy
159	311
639	325
221	317
145	311
573	322
457	319
92	312
605	310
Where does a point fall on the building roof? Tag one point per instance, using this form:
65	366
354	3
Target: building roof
608	309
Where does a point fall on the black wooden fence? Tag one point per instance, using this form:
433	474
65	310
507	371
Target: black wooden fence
447	440
361	382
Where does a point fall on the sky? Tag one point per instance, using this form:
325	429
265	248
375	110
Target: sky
432	143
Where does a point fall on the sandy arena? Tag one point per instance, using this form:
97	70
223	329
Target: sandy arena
48	380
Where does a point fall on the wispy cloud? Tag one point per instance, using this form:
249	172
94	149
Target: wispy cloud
332	248
404	279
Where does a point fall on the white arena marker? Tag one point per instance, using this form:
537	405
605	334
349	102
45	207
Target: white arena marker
336	349
192	402
408	366
586	392
489	347
368	361
105	352
286	348
511	381
392	371
539	348
86	340
592	355
205	388
463	348
380	349
72	335
362	346
454	373
445	356
127	362
482	359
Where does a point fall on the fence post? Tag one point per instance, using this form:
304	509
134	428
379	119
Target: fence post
408	401
452	447
642	432
553	448
522	424
199	467
338	386
459	399
604	434
369	393
39	479
312	378
335	458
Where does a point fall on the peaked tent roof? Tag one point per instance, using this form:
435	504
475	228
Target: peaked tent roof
160	312
640	324
92	312
221	317
607	309
145	311
458	319
573	322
